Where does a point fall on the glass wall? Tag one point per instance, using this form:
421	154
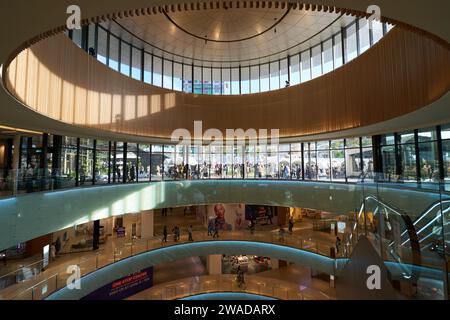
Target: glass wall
419	157
388	156
69	162
407	150
102	162
428	154
156	162
445	136
86	165
322	57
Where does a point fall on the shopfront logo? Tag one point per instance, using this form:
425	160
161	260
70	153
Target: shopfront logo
216	138
73	282
374	280
74	19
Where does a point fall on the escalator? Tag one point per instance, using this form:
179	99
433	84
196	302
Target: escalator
411	246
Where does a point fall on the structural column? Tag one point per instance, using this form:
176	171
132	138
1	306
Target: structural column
96	235
214	264
15	163
147	226
56	161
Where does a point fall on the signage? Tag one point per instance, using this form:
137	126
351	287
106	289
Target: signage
120	232
341	227
124	287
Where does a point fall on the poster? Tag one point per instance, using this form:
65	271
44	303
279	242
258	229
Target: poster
229	216
341	227
124	287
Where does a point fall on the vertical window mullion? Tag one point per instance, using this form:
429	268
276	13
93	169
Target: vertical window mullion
279	74
153	68
344	44
119	49
109	162
259	77
96	39
142	64
289	69
107	47
131	60
192	76
240	80
321	60
417	154
333	42
270	84
358	42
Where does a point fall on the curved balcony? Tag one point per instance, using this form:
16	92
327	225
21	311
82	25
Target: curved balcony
419	216
97	268
32	215
224	287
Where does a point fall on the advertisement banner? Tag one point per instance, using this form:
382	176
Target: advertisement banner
124	287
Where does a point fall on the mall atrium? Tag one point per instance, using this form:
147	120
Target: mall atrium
182	149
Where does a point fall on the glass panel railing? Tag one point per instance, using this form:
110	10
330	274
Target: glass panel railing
254	284
408	229
132	247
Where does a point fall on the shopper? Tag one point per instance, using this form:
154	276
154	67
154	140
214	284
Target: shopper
210	227
164	234
190	233
338	244
216	228
252	226
240	277
53	252
291	224
58	245
281	233
176	233
269	215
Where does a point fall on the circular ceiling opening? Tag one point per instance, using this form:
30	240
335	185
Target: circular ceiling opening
214	36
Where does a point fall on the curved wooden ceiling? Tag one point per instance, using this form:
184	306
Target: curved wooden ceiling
402	73
423	18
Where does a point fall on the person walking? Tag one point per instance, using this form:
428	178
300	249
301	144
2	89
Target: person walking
210	227
240	277
176	233
338	244
291	224
216	228
53	252
252	226
269	215
164	234
281	233
190	233
58	245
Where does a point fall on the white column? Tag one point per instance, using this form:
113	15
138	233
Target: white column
147	224
15	162
214	264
